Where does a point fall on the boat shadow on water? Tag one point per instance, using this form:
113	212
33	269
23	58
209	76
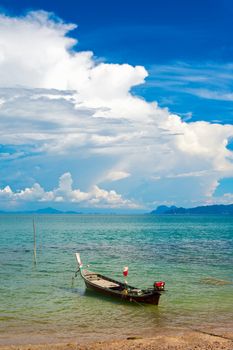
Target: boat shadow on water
91	294
145	311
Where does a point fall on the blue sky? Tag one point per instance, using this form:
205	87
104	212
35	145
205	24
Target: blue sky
116	105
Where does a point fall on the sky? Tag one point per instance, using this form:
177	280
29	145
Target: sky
116	106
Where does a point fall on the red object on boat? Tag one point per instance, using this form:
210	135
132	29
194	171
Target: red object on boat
159	285
125	271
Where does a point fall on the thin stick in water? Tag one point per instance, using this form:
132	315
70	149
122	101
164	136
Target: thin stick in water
34	230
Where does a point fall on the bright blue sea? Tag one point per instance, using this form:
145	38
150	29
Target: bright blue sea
193	254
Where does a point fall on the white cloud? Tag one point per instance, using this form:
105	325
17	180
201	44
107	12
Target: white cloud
211	81
103	198
226	198
116	175
35	193
96	197
212	95
6	192
60	103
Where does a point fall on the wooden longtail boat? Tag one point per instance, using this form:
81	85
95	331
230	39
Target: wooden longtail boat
111	287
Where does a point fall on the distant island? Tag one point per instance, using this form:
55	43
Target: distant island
216	209
48	210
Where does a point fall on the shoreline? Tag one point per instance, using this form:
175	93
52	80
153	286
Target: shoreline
181	339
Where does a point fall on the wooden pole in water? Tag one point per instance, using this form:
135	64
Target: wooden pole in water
34	231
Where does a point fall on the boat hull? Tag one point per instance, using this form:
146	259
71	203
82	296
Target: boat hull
152	298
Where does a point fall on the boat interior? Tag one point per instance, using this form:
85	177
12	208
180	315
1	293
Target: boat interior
103	281
106	282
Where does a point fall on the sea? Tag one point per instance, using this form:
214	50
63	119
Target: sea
45	302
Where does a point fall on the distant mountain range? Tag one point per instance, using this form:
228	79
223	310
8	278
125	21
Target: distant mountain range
220	209
160	210
40	211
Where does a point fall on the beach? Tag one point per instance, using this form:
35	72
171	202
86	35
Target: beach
180	340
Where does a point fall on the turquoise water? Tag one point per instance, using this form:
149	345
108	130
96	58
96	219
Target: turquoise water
39	303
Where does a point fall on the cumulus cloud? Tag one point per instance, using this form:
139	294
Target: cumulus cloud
58	102
96	197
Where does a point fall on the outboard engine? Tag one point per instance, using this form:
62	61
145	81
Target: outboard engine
159	285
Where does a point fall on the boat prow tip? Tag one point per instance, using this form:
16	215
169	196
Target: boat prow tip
78	258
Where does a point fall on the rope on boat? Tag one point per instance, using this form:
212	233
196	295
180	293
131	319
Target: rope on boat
75	275
138	303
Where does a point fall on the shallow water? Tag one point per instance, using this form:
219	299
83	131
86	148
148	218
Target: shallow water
191	253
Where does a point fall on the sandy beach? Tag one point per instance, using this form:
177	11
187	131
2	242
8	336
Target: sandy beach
184	340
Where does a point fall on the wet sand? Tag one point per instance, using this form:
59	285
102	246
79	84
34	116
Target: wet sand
183	340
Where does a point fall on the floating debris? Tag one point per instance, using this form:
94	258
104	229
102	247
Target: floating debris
215	281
